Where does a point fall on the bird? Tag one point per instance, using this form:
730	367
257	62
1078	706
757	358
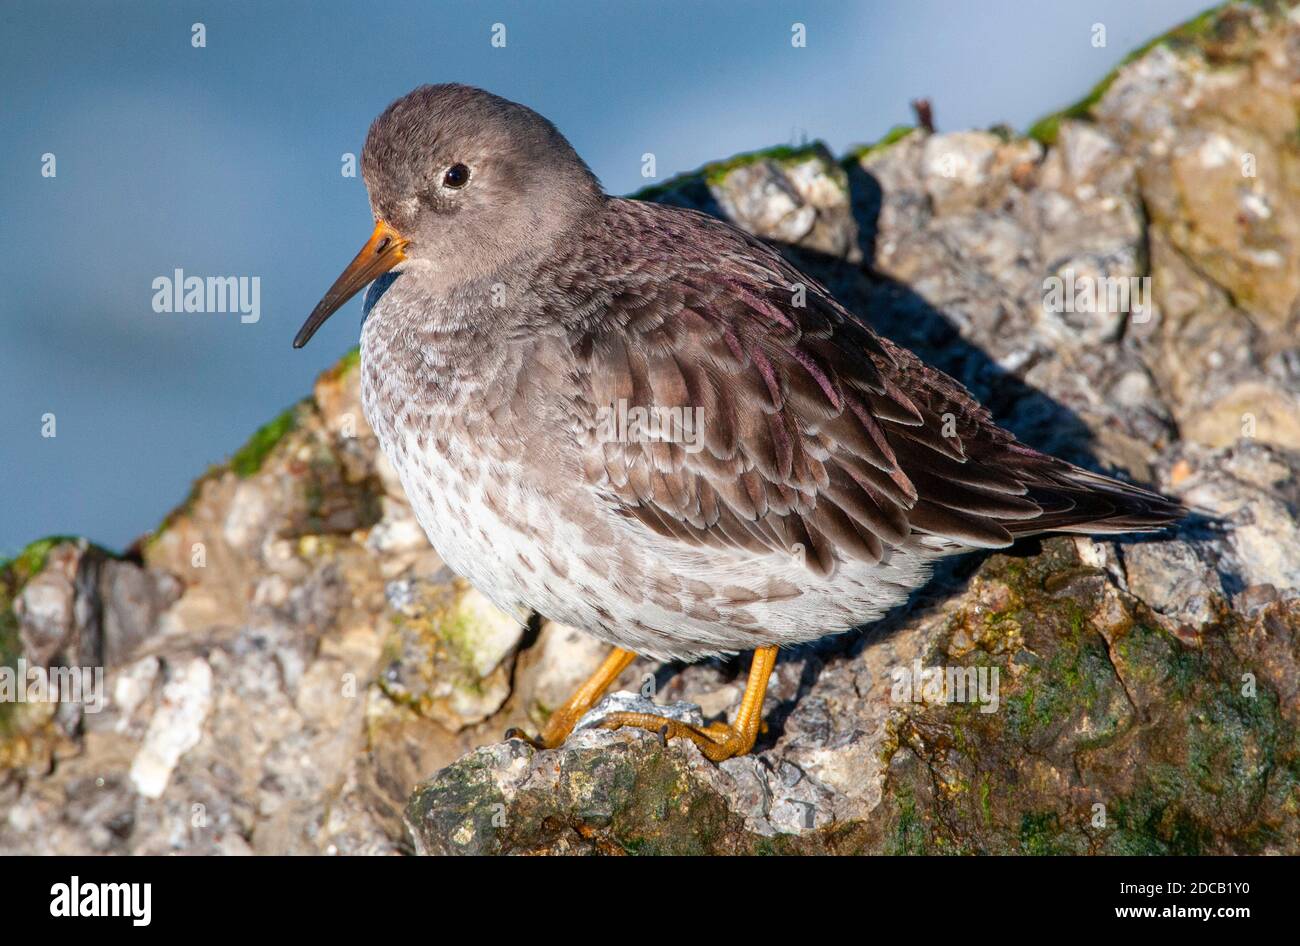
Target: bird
643	422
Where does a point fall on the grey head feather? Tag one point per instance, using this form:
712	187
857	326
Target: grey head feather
526	184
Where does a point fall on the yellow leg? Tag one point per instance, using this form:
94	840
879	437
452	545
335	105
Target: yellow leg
563	720
717	741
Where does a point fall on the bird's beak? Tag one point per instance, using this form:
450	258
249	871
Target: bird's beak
381	253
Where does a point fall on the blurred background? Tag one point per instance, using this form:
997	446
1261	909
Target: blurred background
225	161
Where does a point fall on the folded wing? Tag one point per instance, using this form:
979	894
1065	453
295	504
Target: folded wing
726	400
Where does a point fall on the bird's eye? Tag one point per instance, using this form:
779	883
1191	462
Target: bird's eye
457	176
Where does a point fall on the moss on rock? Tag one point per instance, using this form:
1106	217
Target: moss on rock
1103	710
715	172
248	460
893	136
1201	31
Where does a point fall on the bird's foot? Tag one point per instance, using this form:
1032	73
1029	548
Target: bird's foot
562	721
556	730
717	741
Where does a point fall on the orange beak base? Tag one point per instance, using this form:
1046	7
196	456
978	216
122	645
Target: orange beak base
381	253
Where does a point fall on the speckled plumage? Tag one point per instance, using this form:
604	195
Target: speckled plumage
832	467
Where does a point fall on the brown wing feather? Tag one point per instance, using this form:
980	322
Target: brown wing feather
816	433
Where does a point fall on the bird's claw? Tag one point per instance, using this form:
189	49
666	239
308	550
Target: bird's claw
514	732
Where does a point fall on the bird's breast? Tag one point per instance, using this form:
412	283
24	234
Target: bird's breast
485	474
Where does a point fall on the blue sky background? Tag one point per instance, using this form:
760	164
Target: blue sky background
226	161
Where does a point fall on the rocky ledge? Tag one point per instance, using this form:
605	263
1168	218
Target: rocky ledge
287	666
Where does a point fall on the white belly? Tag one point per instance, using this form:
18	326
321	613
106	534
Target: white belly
611	577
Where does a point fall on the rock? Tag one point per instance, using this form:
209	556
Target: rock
958	169
788	195
244	649
499	798
44	606
284	660
175	728
621	701
449	654
1253	487
1098	744
134	598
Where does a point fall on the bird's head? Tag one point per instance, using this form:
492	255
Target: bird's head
461	183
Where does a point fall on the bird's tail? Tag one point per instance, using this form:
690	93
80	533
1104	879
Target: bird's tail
1076	500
